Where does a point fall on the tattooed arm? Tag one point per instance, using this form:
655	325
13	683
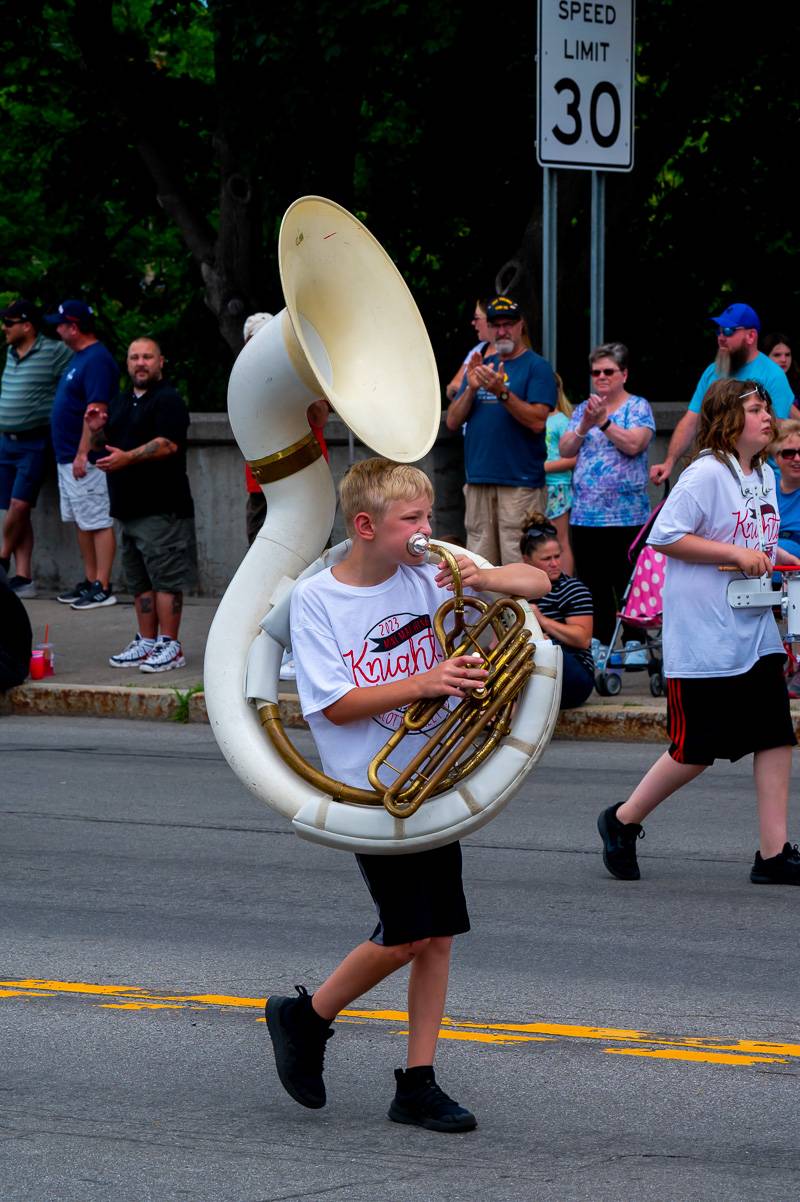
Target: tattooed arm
156	448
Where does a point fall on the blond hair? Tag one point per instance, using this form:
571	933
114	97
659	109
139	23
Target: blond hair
786	430
563	404
371	485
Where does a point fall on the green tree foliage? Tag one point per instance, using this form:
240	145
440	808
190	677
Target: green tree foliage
151	148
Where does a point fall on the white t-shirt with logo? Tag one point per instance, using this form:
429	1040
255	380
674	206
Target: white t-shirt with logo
345	636
703	635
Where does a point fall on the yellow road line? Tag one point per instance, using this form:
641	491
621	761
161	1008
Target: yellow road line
693	1049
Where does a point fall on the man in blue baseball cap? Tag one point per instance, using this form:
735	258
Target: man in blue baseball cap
738	358
91	377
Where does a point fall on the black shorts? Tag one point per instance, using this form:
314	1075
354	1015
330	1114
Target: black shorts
417	896
728	717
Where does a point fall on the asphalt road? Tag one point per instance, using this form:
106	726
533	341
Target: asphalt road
617	1041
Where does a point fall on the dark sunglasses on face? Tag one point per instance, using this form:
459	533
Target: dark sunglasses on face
604	371
790	453
729	330
13	321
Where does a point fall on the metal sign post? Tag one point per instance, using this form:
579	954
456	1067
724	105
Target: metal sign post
585	75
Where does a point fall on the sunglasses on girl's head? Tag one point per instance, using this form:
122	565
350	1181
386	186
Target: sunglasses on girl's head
604	371
759	391
790	453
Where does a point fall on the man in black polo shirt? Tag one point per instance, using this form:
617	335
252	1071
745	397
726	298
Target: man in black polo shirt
139	440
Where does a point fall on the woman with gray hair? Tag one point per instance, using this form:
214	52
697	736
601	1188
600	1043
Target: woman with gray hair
609	433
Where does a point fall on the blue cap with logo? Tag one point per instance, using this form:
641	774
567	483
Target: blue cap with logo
503	308
738	315
70	310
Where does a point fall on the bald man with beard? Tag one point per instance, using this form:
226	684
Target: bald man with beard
139	441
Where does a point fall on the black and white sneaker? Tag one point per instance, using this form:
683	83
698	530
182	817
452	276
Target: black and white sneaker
164	656
136	652
95	597
299	1037
74	594
782	869
420	1102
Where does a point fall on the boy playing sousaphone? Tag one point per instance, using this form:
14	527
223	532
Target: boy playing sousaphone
364	649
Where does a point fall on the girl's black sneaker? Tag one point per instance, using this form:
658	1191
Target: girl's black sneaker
783	869
420	1102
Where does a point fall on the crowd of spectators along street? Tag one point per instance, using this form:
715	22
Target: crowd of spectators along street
561	486
580	475
120	454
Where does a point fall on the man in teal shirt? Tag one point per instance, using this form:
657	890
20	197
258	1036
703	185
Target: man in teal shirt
738	358
34	365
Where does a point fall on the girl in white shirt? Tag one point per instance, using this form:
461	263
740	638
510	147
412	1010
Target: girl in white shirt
726	696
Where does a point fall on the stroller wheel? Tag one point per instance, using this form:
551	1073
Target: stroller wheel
657	684
608	684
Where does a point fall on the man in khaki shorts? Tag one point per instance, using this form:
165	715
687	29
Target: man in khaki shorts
505	400
140	443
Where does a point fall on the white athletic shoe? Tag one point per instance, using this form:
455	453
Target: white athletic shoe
137	650
165	656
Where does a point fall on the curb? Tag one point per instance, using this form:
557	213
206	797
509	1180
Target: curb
628	722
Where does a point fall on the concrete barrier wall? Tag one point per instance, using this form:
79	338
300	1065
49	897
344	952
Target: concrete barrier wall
217	479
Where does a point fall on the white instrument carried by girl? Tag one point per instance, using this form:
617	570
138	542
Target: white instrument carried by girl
352	332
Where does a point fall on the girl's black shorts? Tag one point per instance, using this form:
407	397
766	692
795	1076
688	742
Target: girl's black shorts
417	896
728	717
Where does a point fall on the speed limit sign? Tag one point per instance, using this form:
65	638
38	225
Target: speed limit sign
585	84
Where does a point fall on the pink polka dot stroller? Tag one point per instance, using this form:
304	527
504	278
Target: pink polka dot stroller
642	610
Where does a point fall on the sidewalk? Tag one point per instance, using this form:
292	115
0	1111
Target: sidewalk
85	684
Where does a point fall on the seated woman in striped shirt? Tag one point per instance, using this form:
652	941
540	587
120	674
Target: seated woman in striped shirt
565	614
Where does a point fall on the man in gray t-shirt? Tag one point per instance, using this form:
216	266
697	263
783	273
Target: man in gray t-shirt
34	365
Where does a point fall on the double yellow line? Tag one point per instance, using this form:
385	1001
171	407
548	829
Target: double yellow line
613	1040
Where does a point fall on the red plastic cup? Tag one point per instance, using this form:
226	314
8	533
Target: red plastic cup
49	657
38	665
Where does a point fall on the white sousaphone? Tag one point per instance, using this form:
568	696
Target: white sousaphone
350	331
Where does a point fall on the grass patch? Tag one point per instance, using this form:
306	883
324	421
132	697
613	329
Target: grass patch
182	702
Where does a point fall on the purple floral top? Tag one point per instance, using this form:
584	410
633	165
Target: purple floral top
609	488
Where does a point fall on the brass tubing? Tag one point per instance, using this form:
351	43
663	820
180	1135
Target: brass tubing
287	461
269	716
394	798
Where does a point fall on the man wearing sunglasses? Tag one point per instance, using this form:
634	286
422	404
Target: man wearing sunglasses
34	365
505	400
738	358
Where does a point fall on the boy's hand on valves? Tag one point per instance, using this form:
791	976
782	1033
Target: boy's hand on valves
470	573
453	677
752	562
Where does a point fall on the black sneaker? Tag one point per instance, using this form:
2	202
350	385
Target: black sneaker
94	597
298	1037
783	869
619	844
74	594
420	1102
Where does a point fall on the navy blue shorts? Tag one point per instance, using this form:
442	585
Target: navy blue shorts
417	896
23	463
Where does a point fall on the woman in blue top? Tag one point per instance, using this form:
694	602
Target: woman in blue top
610	433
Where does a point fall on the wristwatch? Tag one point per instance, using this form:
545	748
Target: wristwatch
503	396
605	425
